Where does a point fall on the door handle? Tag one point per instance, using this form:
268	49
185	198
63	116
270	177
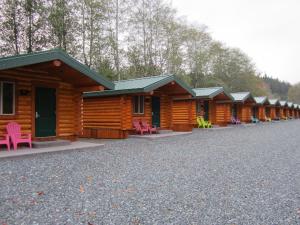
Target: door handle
37	115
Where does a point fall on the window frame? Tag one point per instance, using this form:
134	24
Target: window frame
139	97
1	98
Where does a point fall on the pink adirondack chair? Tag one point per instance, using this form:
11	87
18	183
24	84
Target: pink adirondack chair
5	142
148	127
16	137
138	128
235	120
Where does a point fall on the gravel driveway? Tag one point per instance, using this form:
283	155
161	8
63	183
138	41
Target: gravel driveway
246	175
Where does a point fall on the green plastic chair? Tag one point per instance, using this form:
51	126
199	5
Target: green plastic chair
202	123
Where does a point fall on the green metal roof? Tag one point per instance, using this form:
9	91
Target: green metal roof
241	96
210	92
290	104
274	102
283	103
55	54
140	85
261	100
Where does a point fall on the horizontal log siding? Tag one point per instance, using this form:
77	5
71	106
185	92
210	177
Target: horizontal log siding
182	115
68	118
222	114
103	113
166	112
244	112
262	113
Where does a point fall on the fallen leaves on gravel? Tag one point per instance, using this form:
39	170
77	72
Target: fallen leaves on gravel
81	189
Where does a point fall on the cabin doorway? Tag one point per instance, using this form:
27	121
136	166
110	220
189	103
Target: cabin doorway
255	112
156	111
206	110
45	112
234	111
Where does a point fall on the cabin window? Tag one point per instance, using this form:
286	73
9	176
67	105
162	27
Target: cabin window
7	98
138	104
199	107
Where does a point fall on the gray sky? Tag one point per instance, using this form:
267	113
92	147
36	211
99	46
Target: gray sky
268	31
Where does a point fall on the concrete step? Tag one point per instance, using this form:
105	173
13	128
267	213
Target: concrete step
165	131
48	144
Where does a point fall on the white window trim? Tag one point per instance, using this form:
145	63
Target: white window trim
139	106
1	98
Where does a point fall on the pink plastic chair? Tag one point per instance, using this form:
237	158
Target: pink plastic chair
5	142
148	127
138	128
16	137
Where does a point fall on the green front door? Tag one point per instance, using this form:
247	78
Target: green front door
45	112
156	111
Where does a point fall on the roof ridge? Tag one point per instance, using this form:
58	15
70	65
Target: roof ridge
206	88
141	78
33	53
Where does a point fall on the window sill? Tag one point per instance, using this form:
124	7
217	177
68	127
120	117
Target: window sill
9	117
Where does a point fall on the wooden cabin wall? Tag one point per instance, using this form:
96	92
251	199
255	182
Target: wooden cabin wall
281	112
107	117
261	113
272	113
222	114
68	102
165	111
244	112
182	115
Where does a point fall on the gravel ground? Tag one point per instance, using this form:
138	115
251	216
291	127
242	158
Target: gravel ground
246	175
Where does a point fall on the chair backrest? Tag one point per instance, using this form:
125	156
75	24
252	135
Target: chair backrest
199	120
13	128
202	119
136	124
145	124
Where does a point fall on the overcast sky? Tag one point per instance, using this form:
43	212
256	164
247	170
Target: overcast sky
268	31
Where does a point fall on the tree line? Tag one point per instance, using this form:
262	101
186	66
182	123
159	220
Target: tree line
131	38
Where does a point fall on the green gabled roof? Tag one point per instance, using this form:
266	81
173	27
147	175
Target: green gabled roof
241	96
261	100
46	56
283	103
140	85
274	102
290	104
210	92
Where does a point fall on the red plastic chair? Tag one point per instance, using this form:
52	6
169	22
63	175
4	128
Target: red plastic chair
138	128
16	137
5	142
148	127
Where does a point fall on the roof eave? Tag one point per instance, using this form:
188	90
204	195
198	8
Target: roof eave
46	56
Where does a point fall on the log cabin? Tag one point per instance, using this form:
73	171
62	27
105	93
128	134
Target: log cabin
214	104
290	110
274	109
242	106
296	115
283	110
43	93
163	101
259	109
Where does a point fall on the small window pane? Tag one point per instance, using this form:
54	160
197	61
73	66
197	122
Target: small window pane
141	104
136	104
8	98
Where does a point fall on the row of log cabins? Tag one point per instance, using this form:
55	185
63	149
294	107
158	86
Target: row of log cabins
53	96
